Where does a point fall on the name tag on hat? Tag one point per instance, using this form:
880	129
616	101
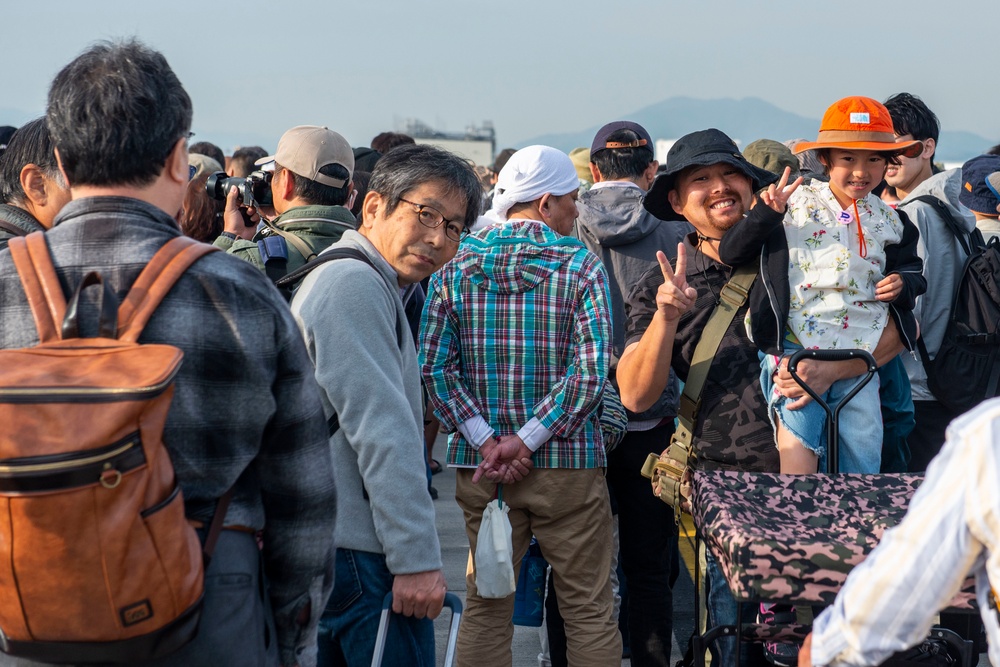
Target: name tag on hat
860	118
845	218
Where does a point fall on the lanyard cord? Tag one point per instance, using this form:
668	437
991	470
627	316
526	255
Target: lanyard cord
862	246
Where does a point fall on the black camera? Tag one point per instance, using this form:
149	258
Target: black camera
254	190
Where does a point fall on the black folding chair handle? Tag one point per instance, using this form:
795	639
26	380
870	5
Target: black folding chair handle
833	416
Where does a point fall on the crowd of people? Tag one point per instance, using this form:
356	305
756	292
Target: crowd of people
510	305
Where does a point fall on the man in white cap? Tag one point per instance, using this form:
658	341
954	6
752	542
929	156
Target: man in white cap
515	346
313	193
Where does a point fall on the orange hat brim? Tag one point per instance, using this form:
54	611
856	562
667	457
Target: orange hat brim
905	148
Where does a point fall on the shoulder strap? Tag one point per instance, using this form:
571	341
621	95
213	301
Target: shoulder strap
163	270
949	218
41	284
12	228
734	294
308	254
333	423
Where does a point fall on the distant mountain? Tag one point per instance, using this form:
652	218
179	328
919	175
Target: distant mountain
744	120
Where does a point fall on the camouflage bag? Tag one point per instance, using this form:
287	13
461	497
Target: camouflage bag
670	472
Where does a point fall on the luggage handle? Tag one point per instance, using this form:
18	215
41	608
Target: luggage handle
450	600
833	458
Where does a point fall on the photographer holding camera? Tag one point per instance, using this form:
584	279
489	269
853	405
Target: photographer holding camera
312	193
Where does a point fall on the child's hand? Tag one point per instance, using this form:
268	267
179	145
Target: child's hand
889	288
776	195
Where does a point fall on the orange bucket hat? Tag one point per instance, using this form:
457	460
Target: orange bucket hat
859	123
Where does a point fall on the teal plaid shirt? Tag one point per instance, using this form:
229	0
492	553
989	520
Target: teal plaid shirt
518	326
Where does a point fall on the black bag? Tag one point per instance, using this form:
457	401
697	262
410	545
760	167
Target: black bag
965	371
931	653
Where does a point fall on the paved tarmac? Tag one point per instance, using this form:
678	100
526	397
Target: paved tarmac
455	552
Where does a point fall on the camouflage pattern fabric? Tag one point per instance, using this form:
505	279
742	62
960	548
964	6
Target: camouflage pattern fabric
794	538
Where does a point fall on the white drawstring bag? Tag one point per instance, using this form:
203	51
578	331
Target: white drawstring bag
495	553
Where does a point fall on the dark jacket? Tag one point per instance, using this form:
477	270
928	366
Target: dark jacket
20	219
760	236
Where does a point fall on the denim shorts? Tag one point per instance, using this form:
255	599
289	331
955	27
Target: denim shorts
860	427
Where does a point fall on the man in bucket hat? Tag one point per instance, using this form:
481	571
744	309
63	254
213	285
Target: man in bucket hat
709	183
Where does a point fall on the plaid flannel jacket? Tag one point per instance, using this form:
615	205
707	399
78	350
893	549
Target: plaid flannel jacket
246	409
518	326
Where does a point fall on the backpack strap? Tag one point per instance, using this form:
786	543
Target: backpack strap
333	253
964	238
41	284
308	254
12	228
155	281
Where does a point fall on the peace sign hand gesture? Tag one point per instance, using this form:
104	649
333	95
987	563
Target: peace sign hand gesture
675	296
776	195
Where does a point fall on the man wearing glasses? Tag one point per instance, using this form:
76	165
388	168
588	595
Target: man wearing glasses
515	344
420	202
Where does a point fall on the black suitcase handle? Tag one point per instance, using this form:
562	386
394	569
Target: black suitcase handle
450	600
833	416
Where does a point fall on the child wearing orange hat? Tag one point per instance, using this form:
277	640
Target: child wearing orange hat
832	274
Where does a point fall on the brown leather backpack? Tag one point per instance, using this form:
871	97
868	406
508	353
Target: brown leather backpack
97	560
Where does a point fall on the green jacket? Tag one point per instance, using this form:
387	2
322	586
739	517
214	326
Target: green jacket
317	226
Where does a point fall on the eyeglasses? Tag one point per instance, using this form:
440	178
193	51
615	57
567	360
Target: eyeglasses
429	216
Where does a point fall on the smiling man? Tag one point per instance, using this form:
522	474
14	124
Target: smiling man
710	184
351	312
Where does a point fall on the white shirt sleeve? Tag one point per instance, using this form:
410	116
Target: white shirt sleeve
533	434
476	431
891	600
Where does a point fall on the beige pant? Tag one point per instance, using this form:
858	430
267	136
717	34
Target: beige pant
568	511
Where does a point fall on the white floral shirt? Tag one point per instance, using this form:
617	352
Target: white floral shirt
831	286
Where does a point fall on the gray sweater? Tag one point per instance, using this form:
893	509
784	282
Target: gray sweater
943	260
368	374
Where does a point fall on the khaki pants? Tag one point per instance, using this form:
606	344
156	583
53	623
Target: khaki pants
568	511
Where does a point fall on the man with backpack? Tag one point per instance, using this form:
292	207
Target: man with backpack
245	414
313	193
929	199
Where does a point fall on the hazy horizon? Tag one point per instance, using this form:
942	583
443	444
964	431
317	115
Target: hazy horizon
530	68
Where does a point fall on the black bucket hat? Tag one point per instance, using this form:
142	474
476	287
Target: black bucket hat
694	150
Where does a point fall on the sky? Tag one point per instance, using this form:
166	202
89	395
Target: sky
256	68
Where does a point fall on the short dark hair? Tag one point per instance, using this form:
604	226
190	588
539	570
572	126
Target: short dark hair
31	144
115	114
619	163
361	180
911	116
318	193
242	162
409	167
386	141
993	150
209	149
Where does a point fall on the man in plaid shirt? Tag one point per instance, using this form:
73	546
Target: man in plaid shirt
515	343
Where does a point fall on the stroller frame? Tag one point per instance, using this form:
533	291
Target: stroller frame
700	642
